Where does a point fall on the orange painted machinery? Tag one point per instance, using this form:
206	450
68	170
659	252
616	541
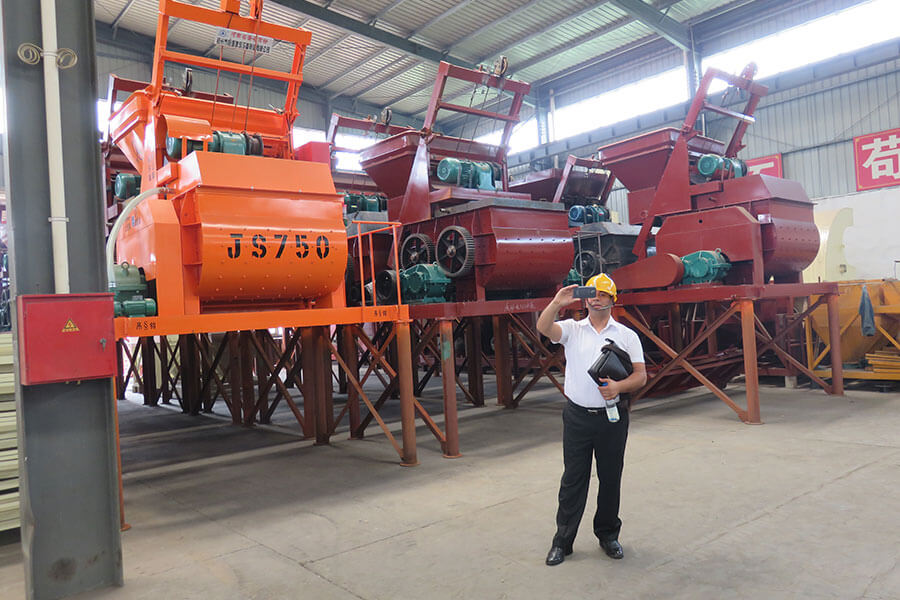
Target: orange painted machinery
240	223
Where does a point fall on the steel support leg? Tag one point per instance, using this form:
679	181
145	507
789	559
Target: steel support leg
234	376
502	364
343	388
262	363
165	375
351	359
190	374
834	335
247	395
148	369
448	377
308	364
407	399
473	352
751	369
120	369
322	374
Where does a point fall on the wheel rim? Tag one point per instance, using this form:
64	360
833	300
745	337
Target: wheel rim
586	263
455	251
417	249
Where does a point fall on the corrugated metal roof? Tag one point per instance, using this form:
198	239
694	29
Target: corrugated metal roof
541	38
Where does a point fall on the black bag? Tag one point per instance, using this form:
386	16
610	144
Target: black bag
613	363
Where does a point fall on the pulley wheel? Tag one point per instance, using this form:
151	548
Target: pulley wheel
386	287
417	249
386	115
455	251
587	263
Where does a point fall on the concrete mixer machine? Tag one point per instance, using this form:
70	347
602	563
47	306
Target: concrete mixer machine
227	219
717	222
454	200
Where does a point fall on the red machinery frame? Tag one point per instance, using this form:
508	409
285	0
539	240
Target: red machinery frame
351	181
679	358
493	221
763	224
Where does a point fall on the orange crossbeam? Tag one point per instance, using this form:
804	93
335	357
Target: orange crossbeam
212	63
218	18
245	321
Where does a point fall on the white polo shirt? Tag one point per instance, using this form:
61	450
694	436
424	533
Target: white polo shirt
583	345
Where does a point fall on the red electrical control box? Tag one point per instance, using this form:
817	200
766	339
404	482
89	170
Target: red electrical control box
65	337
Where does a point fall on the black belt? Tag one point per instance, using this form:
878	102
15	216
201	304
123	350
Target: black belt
590	411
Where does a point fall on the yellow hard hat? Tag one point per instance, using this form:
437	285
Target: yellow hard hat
603	283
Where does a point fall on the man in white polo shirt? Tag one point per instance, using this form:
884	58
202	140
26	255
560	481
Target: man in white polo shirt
592	421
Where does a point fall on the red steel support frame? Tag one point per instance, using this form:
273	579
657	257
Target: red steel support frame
751	372
755	340
448	371
512	334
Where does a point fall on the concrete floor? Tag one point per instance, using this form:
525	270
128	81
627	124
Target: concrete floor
805	506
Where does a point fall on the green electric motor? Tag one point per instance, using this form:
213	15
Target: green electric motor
704	266
469	174
713	166
364	202
419	284
424	283
580	214
130	289
127	185
222	141
573	278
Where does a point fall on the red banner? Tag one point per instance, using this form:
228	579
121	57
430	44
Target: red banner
876	157
766	165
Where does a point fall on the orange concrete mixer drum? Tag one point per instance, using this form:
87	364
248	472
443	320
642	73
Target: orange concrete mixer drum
241	243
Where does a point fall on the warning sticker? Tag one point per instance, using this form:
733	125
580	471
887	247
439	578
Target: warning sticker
70	327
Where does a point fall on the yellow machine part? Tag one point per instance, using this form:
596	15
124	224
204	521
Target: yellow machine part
885	297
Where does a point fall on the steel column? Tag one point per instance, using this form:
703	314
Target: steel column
751	369
322	375
148	370
67	450
245	387
120	369
407	399
166	376
473	360
262	363
448	377
234	374
351	358
190	375
308	367
834	334
502	365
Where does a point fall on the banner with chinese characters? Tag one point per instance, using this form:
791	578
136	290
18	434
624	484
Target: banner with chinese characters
241	40
876	157
766	165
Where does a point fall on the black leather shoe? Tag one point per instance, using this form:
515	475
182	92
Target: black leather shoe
612	548
556	556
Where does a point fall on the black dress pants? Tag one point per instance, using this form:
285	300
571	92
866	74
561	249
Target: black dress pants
589	434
